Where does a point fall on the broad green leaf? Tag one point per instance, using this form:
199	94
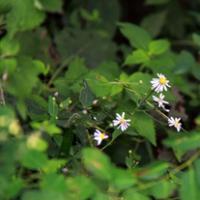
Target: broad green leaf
35	142
8	47
25	78
188	187
137	36
183	143
97	163
148	22
53	165
23	16
132	194
80	187
101	87
158	47
140	85
137	57
122	179
144	125
8	65
162	189
101	196
33	159
57	181
153	170
10	188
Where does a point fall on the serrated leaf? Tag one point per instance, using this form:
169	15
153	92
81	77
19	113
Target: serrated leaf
137	36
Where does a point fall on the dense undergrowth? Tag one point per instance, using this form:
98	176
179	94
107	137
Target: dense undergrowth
97	104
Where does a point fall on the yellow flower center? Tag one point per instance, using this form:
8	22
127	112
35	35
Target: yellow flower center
176	123
163	80
122	121
102	136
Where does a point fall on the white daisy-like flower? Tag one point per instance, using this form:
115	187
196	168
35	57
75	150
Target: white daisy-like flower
161	102
121	122
99	136
175	122
159	84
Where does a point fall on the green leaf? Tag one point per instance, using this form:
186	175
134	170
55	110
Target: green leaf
25	77
101	87
162	189
183	143
97	163
33	159
51	6
80	187
132	194
140	85
196	39
189	188
86	97
137	57
53	165
8	66
57	181
137	36
122	179
148	22
153	170
144	126
185	62
23	16
158	47
9	47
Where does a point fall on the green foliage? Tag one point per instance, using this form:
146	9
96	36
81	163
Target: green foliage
68	69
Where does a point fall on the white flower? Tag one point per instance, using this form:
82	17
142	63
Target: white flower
159	84
175	122
161	102
99	136
121	122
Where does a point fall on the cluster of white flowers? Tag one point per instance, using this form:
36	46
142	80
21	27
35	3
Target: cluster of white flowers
159	85
120	122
